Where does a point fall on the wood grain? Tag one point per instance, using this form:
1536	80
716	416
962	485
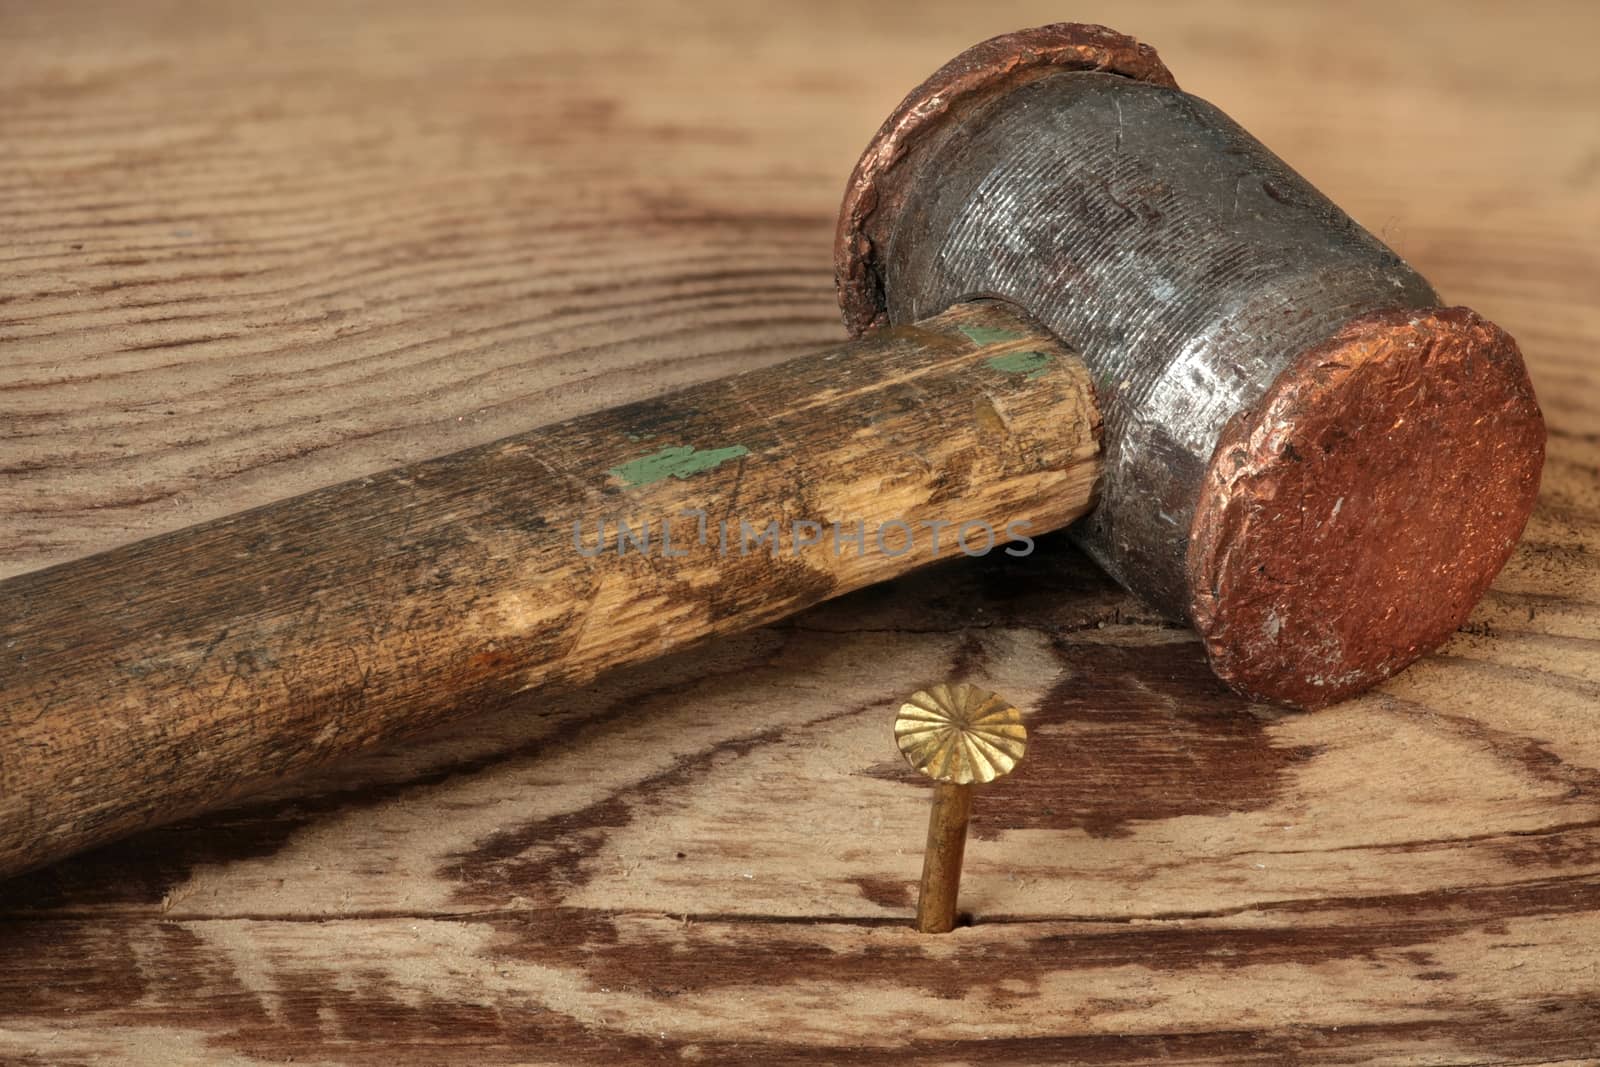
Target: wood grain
510	216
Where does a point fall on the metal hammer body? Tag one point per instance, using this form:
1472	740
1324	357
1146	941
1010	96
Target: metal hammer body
1307	457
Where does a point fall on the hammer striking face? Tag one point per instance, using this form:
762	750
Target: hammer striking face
1306	457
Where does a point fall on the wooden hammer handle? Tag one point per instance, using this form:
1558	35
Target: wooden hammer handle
155	680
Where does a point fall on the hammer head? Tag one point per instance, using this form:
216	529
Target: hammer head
1306	457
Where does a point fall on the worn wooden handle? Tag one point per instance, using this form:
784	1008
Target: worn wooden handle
153	681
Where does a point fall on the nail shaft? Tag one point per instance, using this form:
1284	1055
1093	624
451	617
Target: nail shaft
941	863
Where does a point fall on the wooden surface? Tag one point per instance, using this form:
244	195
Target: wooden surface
163	678
251	250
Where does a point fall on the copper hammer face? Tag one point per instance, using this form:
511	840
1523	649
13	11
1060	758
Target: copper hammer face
1306	456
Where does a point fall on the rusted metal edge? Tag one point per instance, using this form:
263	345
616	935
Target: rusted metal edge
876	190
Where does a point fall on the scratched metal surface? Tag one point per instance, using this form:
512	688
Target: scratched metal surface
1187	262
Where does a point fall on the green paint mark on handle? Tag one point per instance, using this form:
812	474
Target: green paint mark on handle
1033	364
679	461
988	335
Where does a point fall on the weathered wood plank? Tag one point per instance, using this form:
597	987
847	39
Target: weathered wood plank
717	854
392	224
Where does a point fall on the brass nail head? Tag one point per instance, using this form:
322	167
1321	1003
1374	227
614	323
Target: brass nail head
960	736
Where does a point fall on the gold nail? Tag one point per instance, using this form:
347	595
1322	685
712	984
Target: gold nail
960	736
